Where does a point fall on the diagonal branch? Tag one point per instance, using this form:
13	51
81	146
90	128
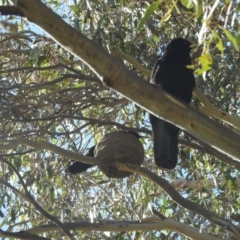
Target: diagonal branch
30	199
115	75
207	108
41	145
21	235
176	196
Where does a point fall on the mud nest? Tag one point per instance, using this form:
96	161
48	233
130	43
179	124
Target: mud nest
120	146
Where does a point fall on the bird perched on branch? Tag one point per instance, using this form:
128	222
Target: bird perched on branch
171	73
78	167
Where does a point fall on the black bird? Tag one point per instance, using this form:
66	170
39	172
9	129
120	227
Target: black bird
173	75
79	167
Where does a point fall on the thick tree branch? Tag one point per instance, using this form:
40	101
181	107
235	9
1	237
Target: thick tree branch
11	10
113	73
207	107
212	111
21	235
143	226
205	148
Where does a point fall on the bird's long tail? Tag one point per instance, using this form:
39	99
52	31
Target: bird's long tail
79	167
165	140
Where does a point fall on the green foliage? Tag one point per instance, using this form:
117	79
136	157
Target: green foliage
206	64
187	3
231	38
149	11
48	94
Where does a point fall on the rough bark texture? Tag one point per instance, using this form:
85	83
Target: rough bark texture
116	146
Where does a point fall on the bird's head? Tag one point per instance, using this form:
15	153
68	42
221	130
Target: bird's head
179	43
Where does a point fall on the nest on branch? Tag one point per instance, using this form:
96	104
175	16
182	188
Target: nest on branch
122	147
